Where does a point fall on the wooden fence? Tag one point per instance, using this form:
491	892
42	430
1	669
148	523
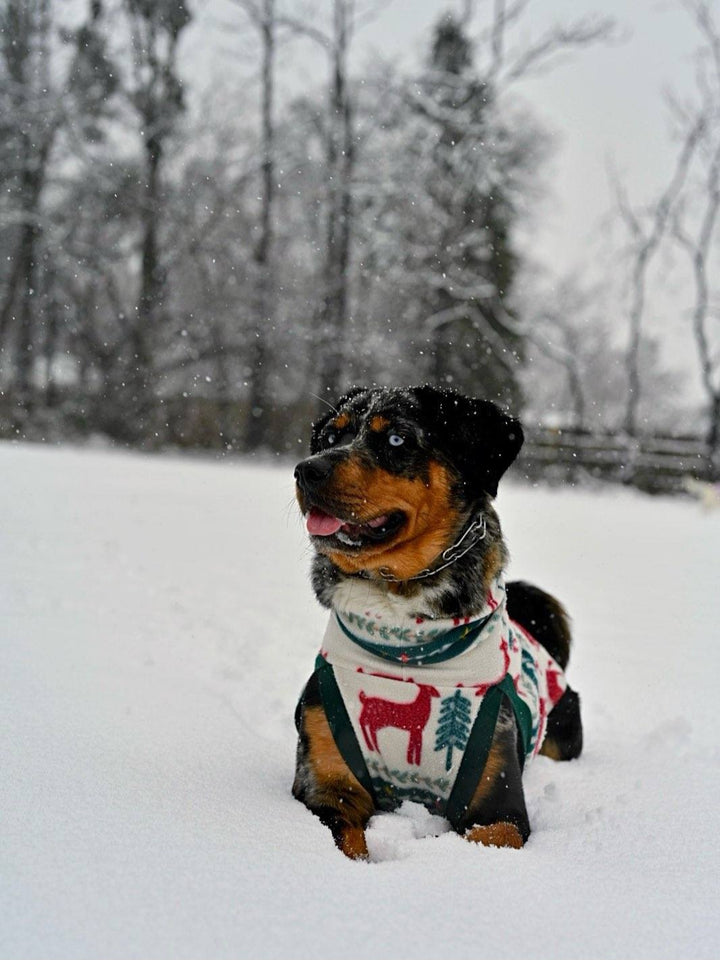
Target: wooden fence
654	464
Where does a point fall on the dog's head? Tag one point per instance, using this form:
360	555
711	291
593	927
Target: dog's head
394	475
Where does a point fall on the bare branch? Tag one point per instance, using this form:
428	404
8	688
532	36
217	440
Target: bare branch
497	38
623	202
647	244
305	29
481	323
252	9
699	252
503	19
700	10
582	33
567	358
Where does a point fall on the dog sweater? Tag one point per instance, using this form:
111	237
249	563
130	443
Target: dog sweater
413	705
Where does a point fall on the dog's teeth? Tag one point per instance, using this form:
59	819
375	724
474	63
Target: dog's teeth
344	538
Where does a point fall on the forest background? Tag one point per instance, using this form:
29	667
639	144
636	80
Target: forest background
216	217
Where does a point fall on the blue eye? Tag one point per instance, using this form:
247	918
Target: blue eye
395	440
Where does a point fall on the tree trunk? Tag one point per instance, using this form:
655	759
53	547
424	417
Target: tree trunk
259	400
25	315
25	289
149	302
713	436
340	159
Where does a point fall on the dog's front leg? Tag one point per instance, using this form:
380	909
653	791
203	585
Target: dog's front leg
326	785
497	816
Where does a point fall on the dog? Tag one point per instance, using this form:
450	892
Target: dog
435	681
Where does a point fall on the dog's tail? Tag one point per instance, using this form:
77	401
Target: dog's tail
542	616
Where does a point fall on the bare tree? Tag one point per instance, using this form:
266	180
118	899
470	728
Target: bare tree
647	230
262	16
38	103
556	333
26	31
575	365
339	159
156	97
699	247
698	241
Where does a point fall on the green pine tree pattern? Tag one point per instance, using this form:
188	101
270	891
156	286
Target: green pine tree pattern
453	726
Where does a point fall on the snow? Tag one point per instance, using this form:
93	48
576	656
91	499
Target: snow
157	627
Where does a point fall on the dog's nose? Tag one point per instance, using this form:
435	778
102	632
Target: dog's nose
311	473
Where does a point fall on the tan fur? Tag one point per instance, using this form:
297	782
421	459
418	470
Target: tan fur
494	766
335	785
330	769
432	519
493	562
378	424
353	843
500	834
551	749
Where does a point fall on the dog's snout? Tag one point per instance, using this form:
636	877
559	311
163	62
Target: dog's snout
311	473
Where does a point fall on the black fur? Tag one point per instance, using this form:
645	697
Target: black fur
542	616
564	729
473	436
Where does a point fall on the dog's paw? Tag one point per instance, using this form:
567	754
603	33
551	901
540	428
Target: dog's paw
502	834
353	843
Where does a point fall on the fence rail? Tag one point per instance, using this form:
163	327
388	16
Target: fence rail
655	464
554	455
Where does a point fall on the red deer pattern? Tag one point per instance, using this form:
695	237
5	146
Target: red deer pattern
378	713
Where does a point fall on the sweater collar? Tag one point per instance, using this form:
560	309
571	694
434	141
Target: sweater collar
419	640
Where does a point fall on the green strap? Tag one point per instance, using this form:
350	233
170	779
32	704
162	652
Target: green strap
523	714
341	726
479	743
449	644
475	756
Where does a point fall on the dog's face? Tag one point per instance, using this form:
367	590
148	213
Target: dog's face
394	474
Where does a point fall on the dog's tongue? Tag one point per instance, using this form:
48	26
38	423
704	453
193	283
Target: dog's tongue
321	524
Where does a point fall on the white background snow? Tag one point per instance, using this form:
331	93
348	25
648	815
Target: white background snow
157	626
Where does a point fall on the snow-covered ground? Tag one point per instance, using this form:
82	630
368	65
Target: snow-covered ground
156	628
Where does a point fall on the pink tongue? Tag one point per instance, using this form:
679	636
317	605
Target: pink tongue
321	524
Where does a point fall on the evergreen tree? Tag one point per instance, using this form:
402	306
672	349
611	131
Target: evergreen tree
468	158
453	727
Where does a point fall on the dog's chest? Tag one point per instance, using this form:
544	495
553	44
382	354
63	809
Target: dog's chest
416	697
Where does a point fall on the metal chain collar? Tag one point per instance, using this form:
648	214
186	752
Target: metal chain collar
450	555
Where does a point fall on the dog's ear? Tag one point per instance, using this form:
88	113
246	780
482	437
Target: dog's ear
329	414
475	436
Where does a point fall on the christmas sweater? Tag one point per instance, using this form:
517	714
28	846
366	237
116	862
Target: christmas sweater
413	705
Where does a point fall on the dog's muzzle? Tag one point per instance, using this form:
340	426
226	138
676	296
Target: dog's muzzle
312	474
